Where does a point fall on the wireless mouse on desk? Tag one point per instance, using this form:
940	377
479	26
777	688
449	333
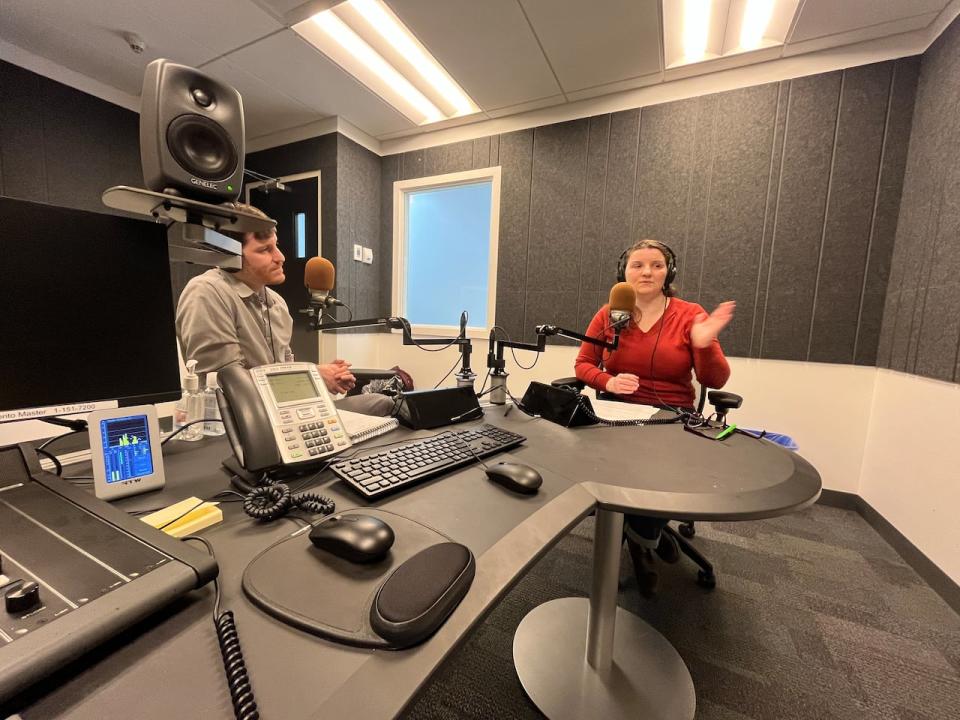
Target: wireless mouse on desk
357	538
516	477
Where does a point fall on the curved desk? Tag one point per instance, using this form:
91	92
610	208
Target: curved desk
171	665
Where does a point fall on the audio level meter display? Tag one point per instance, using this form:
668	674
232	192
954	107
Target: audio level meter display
126	448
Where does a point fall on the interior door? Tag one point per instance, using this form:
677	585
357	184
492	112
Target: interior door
297	213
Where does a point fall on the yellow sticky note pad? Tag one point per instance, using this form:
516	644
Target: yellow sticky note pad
185	517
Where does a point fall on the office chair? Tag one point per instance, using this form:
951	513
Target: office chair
722	402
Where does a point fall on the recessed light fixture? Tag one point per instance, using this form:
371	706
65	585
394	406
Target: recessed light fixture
756	18
696	29
368	41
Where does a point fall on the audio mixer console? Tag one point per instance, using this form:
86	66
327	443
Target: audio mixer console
75	571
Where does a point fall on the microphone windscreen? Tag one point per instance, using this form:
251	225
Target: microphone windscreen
622	297
319	274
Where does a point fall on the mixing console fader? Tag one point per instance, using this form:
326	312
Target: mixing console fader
74	571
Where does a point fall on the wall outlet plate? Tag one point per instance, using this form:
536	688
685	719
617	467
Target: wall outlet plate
358	253
368	255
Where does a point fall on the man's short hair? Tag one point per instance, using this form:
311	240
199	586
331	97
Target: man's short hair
242	236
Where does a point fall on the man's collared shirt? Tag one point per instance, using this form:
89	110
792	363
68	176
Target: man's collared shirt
221	321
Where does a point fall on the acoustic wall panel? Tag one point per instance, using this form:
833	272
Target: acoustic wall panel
783	197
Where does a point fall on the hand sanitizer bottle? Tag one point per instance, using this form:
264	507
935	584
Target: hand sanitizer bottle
212	425
190	406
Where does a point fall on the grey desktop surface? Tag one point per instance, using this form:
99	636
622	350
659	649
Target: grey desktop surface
171	666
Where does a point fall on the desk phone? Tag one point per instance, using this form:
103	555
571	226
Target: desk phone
279	415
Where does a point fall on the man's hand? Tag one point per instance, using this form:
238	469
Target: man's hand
706	328
623	384
337	376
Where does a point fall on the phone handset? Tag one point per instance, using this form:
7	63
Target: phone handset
279	415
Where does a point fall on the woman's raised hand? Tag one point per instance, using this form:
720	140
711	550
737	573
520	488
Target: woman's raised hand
706	328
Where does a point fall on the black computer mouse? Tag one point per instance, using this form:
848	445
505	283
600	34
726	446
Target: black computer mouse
357	538
514	476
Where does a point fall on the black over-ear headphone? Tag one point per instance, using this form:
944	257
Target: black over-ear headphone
671	263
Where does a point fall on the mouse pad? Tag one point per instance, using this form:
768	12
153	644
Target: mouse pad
318	592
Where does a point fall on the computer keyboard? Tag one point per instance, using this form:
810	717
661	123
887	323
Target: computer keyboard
415	461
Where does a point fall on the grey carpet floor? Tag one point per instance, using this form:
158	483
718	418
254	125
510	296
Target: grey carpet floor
814	616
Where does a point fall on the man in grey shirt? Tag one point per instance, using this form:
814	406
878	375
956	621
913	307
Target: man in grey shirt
234	318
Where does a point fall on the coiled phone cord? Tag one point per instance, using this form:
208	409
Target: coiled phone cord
273	501
238	679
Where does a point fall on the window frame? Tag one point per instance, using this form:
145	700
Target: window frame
401	188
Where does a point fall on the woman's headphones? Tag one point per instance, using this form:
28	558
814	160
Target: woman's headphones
656	244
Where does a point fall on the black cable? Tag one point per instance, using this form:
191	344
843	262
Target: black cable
53	459
50	441
513	354
183	427
448	373
181	515
238	679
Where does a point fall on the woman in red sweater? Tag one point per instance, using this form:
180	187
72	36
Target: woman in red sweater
666	338
664	341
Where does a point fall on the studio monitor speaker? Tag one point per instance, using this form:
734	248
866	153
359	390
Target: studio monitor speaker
191	133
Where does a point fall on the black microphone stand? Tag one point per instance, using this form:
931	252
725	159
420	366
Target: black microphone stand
465	376
496	363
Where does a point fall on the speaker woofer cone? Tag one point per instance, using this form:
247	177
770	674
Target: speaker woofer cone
201	147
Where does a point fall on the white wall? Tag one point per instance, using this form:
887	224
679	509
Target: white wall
911	465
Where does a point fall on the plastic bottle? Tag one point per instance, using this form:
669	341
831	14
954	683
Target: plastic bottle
212	425
190	406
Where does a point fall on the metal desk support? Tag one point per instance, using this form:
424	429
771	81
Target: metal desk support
573	664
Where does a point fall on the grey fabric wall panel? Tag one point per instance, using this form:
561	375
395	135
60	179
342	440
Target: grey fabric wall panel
921	319
389	173
412	165
444	159
516	160
733	230
783	197
619	191
808	149
887	208
358	222
556	206
591	268
556	225
769	219
849	214
690	227
662	184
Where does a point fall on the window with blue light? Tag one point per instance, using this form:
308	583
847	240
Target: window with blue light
300	233
447	253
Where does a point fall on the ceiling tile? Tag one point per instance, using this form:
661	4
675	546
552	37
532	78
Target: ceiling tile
591	44
830	17
265	108
291	65
487	47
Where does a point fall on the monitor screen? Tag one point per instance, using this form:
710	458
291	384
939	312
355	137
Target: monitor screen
126	448
288	387
87	312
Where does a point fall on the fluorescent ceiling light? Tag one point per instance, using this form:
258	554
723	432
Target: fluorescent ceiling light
355	45
696	27
756	18
399	37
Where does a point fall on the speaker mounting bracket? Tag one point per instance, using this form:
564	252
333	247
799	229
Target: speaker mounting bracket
176	208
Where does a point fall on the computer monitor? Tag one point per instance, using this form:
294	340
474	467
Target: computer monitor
86	311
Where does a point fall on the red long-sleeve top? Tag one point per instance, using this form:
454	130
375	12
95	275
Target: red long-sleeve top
670	380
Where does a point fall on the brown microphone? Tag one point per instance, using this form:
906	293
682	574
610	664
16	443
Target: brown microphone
623	298
318	277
